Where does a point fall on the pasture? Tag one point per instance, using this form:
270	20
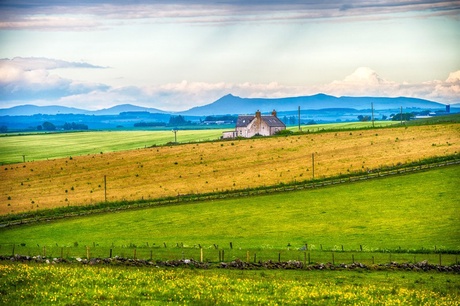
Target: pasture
410	212
150	173
43	285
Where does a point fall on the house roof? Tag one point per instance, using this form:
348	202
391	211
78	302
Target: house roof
271	121
244	121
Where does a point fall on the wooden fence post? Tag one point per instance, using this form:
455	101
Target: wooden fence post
352	258
279	257
201	254
309	261
87	252
135	254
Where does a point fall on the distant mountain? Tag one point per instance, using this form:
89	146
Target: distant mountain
123	108
230	104
30	110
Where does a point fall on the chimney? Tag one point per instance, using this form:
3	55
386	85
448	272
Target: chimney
258	116
274	113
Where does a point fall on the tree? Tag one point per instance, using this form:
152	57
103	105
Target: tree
404	117
364	118
48	126
178	120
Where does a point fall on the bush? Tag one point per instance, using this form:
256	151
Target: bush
284	133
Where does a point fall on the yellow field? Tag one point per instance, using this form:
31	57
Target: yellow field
197	168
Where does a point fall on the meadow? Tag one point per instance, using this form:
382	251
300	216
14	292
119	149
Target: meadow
42	285
408	213
215	166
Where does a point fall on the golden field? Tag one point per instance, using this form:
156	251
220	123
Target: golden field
215	166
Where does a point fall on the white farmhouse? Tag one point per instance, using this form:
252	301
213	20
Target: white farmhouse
251	125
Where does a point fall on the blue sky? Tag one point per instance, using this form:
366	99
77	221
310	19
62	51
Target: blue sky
174	55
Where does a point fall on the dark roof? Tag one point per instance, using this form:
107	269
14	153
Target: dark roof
271	121
244	121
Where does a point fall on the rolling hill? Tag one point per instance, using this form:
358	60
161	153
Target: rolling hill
231	104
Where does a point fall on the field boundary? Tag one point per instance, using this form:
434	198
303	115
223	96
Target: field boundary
237	264
102	207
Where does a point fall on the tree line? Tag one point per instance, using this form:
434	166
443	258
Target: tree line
48	126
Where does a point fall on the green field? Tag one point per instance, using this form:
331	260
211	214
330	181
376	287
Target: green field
40	146
58	145
410	212
85	285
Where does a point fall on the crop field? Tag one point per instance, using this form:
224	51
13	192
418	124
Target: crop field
43	285
150	173
16	148
412	212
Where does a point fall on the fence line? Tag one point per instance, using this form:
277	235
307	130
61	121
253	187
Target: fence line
216	255
374	174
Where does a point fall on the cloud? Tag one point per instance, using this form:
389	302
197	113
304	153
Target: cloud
30	78
32	81
185	95
96	15
366	82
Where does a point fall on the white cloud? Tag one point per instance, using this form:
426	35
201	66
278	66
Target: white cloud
366	82
25	79
32	81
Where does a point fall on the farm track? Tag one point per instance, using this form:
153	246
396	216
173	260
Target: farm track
184	199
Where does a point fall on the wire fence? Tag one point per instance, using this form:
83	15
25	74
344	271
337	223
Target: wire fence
65	212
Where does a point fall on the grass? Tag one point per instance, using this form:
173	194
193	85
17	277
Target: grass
43	285
42	146
214	166
410	212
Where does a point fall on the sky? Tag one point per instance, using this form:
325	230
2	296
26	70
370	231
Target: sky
174	55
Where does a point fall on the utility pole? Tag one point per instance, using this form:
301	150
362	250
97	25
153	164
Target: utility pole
175	135
299	118
372	106
313	165
105	188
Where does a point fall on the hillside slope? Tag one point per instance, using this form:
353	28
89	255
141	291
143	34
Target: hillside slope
215	166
